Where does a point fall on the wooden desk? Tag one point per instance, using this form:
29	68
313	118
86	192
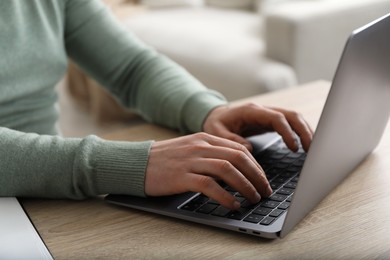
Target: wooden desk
353	222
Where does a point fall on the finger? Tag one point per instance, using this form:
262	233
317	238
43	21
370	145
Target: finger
304	132
272	120
238	156
280	124
224	170
209	187
245	166
226	143
286	123
223	132
300	126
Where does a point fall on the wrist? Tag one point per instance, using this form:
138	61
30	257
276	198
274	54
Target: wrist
212	117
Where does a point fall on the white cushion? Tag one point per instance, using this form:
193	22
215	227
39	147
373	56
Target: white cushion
309	35
241	4
267	5
170	3
223	48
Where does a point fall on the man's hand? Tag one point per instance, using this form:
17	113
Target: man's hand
195	163
236	122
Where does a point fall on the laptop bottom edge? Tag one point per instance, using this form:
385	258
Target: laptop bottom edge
170	206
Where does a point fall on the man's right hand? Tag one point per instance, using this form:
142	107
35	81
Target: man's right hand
196	162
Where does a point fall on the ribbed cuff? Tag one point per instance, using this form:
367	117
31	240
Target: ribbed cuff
197	108
120	167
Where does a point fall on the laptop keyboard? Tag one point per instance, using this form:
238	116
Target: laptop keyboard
282	168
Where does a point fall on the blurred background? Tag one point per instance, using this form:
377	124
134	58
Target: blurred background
240	48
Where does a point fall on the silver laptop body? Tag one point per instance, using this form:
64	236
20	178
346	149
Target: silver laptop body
18	237
350	127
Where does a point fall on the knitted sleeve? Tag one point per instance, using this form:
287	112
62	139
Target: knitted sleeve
139	77
34	165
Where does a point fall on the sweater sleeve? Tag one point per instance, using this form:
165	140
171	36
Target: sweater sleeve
35	165
143	80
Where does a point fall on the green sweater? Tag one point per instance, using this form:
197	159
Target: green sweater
37	37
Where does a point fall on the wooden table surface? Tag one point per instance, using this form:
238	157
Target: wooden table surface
353	222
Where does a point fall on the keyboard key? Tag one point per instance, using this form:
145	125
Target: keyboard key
295	179
281	165
294	169
273	172
270	204
283	149
278	156
247	205
276	213
253	218
299	163
278	197
267	220
220	212
284	205
211	201
200	199
276	185
289	160
287	174
191	206
290	185
267	167
262	211
281	179
238	214
285	191
207	208
294	155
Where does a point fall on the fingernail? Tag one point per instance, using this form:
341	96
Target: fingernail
296	145
270	191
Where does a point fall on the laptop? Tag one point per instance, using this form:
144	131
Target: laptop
351	125
18	237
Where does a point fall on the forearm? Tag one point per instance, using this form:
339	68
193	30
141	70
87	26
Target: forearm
139	77
54	167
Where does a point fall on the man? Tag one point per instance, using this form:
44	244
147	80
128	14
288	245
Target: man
38	36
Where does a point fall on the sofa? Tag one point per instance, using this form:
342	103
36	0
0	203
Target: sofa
238	47
248	47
